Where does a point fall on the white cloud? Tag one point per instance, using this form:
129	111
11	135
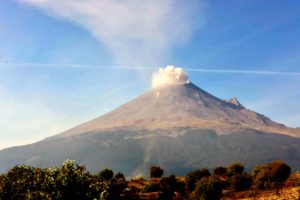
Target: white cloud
169	76
136	32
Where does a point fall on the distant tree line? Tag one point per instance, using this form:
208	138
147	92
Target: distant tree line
73	181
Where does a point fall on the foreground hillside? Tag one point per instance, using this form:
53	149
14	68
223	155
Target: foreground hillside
270	181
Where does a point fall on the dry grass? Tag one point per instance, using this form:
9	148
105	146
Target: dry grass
288	192
291	193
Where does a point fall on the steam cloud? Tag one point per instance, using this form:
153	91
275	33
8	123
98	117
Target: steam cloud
135	32
170	76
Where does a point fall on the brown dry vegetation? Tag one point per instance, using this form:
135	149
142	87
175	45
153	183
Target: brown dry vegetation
290	191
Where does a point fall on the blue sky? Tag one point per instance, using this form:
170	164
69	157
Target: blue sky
63	62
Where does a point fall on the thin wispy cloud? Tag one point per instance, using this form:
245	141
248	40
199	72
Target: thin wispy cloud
135	32
149	68
233	71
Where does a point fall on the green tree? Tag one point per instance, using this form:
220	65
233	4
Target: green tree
193	177
71	181
156	172
106	174
271	175
235	168
260	177
117	186
22	182
279	171
170	185
241	182
208	188
119	176
220	171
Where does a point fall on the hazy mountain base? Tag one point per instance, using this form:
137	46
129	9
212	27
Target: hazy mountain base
177	151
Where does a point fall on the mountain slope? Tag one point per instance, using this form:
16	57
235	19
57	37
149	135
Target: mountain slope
181	105
180	127
133	152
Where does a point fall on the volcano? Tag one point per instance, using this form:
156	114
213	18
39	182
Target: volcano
184	105
177	126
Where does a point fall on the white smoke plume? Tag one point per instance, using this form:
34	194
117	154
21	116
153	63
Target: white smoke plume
135	32
169	75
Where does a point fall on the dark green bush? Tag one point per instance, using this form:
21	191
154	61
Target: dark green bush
106	174
22	181
220	171
261	177
241	182
71	181
208	188
153	187
170	185
279	171
156	172
270	176
119	176
235	168
193	177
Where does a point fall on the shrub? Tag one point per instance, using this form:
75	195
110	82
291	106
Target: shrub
260	177
156	172
117	186
220	171
106	174
241	182
119	176
279	171
235	168
193	177
170	185
208	188
131	193
153	187
270	176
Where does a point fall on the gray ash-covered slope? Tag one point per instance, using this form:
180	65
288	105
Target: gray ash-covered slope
180	127
180	106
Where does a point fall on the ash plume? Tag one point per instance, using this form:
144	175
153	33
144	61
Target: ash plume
169	75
